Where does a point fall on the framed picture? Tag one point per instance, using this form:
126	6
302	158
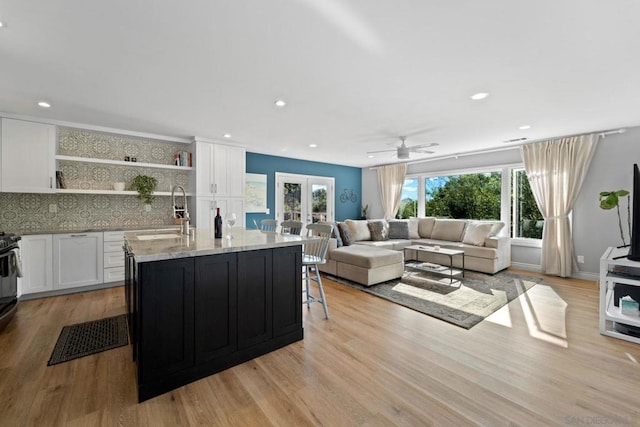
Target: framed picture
256	193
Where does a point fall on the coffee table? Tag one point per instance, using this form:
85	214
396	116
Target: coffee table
446	270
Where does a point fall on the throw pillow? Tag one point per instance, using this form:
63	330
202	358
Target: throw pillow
399	230
345	234
476	232
413	228
378	230
425	226
359	229
449	229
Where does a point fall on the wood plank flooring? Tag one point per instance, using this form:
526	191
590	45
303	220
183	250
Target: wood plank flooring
538	361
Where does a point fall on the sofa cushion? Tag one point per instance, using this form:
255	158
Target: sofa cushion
398	229
413	228
378	230
359	229
386	244
425	227
476	232
366	256
449	229
345	234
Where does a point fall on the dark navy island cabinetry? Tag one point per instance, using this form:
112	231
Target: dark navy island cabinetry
210	305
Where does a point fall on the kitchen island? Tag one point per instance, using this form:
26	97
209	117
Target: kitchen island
198	305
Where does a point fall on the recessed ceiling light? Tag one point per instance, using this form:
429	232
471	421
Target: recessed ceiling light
227	135
371	156
313	145
2	24
44	104
279	103
478	96
524	127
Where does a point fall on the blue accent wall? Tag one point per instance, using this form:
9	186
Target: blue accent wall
346	177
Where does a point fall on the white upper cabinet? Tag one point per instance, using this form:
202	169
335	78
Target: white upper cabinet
28	157
220	170
228	171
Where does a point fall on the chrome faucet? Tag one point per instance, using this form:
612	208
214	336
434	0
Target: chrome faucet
184	216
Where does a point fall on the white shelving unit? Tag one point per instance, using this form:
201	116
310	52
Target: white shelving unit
609	313
122	163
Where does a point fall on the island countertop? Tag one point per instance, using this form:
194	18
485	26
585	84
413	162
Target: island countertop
158	246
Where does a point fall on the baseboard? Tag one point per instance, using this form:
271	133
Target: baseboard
25	297
582	275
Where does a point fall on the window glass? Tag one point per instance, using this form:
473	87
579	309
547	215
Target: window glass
464	196
526	219
409	199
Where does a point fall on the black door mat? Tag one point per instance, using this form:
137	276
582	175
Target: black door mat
87	338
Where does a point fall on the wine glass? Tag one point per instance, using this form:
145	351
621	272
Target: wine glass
231	220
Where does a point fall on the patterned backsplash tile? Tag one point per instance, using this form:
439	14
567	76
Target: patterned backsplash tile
28	212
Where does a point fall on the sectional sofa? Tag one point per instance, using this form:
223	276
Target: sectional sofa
372	251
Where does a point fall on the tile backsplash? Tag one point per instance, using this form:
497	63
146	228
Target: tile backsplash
30	212
26	212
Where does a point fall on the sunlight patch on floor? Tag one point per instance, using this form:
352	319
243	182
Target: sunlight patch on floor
501	317
545	313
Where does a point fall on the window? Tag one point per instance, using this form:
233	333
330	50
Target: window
493	194
465	196
409	199
526	219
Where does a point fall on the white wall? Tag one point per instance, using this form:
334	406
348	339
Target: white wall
593	228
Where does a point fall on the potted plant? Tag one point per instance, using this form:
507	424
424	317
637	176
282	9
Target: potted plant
365	212
610	200
145	185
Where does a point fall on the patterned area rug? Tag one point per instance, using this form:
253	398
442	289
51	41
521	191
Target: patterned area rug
87	338
463	303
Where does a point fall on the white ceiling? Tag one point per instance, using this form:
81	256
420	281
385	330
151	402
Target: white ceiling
356	74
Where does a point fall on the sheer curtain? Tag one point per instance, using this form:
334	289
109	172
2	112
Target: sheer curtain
390	181
556	170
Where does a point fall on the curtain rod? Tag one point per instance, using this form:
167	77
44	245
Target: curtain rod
602	134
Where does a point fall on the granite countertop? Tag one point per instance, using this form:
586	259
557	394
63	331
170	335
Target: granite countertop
93	230
157	246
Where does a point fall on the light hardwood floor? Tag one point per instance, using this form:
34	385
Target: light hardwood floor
538	361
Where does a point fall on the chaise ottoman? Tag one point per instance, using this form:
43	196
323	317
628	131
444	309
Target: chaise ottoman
368	265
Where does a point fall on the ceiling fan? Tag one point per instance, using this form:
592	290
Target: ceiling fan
402	151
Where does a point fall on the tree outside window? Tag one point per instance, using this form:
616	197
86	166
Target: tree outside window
526	219
468	196
409	199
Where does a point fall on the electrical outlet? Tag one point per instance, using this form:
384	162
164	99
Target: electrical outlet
580	259
147	208
268	211
53	208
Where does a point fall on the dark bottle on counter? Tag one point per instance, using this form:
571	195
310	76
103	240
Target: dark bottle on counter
217	225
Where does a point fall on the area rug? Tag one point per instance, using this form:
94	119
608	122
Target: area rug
464	303
87	338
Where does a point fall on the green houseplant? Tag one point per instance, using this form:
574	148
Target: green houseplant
610	200
145	185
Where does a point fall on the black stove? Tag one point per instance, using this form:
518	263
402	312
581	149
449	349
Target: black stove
8	241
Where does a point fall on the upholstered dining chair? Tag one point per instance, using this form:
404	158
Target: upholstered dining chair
291	227
314	253
269	225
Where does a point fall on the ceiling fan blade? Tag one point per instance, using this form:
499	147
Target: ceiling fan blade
421	146
422	151
381	151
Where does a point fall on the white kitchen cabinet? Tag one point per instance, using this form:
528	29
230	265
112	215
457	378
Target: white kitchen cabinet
113	256
36	253
28	157
219	181
229	171
77	259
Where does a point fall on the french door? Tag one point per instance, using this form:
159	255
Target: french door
304	198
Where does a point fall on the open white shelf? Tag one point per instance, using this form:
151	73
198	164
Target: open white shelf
122	163
121	193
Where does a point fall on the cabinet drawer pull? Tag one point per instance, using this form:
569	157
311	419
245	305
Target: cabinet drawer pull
78	235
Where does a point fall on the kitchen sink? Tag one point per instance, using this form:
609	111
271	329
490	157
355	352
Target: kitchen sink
158	236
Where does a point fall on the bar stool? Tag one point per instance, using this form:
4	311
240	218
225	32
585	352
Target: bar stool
291	227
269	225
314	253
